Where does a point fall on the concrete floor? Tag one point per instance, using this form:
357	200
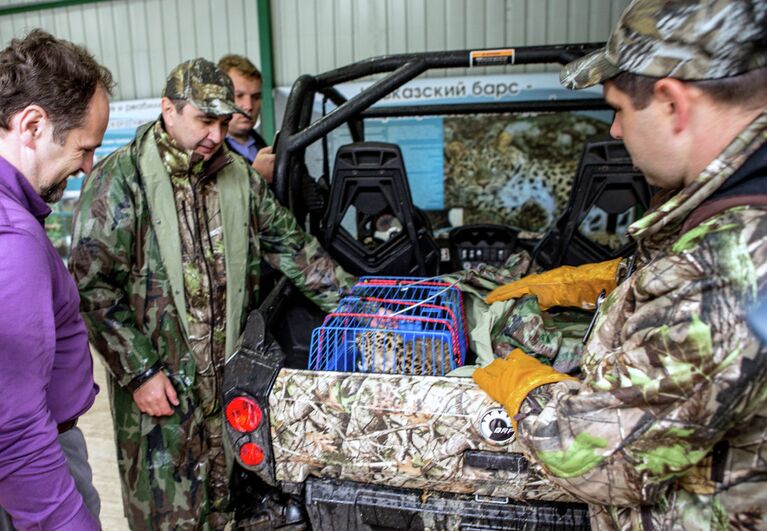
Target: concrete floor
96	425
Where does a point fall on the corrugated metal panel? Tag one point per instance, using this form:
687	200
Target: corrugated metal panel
312	36
141	40
5	3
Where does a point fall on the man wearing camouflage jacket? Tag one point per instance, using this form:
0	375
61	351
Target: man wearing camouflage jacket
168	239
667	426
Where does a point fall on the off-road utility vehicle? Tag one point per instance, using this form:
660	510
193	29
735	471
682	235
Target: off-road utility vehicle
351	449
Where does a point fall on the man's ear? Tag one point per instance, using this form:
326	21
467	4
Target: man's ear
30	124
675	97
168	110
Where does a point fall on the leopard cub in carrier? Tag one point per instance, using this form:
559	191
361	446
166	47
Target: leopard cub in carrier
393	325
387	351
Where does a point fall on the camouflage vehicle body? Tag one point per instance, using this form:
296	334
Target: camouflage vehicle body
422	433
400	431
415	451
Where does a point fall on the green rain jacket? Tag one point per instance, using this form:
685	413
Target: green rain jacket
127	261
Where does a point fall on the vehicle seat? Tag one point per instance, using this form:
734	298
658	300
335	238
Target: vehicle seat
371	226
608	194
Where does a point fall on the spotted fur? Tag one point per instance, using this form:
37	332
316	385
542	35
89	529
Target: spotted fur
516	170
387	352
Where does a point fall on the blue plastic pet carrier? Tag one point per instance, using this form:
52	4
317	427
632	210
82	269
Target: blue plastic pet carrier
396	325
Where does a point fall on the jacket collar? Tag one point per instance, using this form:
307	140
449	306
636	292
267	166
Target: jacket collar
179	162
234	190
750	179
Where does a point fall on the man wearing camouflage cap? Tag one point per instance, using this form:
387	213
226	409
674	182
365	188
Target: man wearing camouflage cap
667	425
167	244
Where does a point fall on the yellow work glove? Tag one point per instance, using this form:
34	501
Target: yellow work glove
510	380
569	286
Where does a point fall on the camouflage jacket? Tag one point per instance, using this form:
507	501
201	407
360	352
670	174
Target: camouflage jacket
667	428
126	259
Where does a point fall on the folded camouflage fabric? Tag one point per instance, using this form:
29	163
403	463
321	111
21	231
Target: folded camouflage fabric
496	329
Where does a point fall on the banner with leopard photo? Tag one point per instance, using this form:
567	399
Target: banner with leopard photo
513	169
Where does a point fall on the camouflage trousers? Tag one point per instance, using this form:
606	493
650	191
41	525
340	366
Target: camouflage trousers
173	470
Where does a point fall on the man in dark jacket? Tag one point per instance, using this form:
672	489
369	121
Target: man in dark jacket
242	138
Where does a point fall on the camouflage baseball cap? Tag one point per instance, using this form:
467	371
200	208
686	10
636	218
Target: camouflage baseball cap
685	39
205	86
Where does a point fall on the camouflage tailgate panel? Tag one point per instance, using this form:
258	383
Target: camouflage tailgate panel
399	431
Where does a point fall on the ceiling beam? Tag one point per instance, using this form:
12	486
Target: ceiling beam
15	9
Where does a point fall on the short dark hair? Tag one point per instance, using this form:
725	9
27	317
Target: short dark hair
637	87
748	90
180	104
59	76
239	63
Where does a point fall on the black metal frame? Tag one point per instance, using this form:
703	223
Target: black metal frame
297	133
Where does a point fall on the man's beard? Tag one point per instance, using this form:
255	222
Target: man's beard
54	193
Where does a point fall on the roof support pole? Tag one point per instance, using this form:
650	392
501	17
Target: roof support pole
267	68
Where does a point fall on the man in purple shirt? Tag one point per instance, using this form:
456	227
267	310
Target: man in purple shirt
53	113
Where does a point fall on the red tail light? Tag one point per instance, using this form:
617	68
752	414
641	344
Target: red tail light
243	414
251	454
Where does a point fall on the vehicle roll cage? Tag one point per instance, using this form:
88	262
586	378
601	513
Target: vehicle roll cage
297	133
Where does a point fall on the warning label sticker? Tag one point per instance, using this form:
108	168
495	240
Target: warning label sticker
491	57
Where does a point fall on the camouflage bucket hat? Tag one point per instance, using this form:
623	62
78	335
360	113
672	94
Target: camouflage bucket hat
685	39
205	86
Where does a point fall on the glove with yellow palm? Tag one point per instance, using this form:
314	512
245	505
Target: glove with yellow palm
575	287
510	380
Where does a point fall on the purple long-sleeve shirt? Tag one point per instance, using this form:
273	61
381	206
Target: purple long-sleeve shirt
46	370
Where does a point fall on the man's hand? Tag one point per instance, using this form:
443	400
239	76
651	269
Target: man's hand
264	163
155	396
